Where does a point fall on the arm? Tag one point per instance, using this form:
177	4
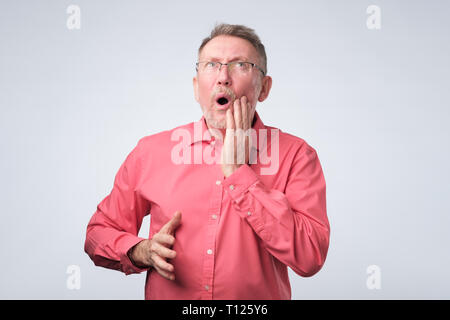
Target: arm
113	229
293	224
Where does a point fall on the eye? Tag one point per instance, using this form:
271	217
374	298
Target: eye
242	66
210	64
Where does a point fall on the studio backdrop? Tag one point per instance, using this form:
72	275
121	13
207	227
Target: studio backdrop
365	83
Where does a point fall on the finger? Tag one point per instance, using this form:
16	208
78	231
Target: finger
230	119
164	239
173	223
250	115
165	274
164	251
162	264
237	114
228	143
245	114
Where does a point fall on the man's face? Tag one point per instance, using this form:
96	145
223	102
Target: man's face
211	89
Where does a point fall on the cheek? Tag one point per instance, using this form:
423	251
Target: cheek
204	93
254	91
203	97
253	97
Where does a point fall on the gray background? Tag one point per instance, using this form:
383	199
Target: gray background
373	103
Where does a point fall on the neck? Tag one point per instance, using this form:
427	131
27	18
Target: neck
220	133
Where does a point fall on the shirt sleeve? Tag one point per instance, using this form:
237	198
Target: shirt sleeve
292	225
114	227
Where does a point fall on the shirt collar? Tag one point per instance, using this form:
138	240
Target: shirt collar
204	134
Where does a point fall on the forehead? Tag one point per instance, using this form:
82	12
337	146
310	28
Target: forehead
228	48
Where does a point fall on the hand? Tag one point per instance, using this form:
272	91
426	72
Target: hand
235	150
154	252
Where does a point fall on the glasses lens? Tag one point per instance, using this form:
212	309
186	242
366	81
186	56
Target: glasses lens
235	67
240	68
210	66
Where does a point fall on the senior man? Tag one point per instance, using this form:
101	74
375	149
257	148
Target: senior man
233	203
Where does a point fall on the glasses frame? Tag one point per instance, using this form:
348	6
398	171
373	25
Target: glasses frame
254	65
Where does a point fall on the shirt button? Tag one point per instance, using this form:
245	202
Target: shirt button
218	182
206	287
213	142
249	213
231	187
209	251
214	216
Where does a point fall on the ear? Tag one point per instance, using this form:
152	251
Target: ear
195	84
265	88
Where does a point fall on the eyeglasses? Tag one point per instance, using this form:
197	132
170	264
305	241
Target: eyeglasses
234	67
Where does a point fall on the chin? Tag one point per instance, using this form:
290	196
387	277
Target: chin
215	121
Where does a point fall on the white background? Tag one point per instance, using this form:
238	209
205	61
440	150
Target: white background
373	103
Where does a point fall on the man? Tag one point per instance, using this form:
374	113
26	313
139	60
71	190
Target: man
227	219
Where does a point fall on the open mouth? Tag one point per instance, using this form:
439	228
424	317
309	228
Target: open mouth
222	101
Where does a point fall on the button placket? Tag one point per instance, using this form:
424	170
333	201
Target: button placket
212	225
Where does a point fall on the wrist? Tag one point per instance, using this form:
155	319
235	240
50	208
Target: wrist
228	170
133	255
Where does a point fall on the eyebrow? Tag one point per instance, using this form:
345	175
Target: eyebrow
240	58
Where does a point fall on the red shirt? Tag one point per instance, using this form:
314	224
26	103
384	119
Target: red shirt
237	235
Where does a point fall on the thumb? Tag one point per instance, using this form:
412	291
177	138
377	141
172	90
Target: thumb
170	226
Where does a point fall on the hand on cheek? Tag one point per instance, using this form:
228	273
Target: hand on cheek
235	151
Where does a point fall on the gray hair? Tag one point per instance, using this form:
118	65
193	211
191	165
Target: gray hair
239	31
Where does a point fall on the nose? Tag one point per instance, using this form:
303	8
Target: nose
224	78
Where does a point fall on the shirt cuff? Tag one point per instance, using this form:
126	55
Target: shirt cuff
239	181
127	265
